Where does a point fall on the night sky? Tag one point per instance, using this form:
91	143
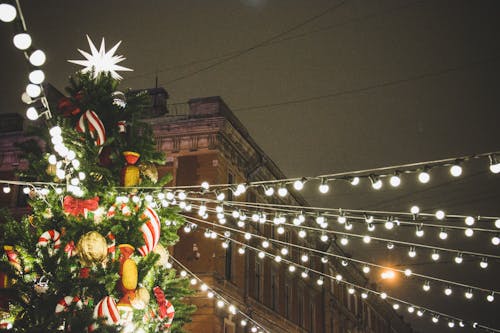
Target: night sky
323	87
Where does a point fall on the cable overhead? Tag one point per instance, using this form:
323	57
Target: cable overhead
260	44
383	84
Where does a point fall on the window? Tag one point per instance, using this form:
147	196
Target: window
274	290
229	262
259	274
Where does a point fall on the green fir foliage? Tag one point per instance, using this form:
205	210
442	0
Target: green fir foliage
113	212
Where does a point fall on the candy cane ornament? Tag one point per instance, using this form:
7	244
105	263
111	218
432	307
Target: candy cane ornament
106	308
95	127
150	231
50	236
65	302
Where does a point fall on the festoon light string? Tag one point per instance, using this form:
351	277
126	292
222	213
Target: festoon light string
365	291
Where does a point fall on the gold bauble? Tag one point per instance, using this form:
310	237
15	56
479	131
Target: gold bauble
51	170
163	253
141	298
92	248
150	171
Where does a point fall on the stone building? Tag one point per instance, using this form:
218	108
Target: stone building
204	141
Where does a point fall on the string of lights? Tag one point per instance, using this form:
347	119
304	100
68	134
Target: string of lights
267	242
452	321
221	300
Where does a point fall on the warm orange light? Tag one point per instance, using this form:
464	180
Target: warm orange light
388	274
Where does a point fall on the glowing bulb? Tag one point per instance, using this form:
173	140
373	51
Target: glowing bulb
261	255
6	189
484	263
420	313
203	287
348	226
383	295
497	224
440	215
369	218
389	225
414	210
351	290
370	227
395	306
298	184
390	246
376	183
443	235
459	259
304	258
181	195
451	324
320	219
324	260
388	274
304	274
469	232
220	303
241	250
490	298
435	256
282	191
448	291
426	286
36	77
37	58
302	233
183	273
495	167
32	113
221	196
210	294
243	322
193	281
341	219
408	272
344	241
320	281
277	258
419	232
291	268
469	220
435	319
269	191
456	170
468	294
355	181
248	236
412	253
411	309
367	239
495	240
364	295
424	177
22	41
366	269
7	12
395	181
324	187
324	238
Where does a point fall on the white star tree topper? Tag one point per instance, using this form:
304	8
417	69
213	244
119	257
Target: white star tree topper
101	61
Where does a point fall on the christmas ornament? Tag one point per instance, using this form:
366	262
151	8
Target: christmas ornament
77	207
119	99
95	127
41	285
163	253
140	299
65	302
70	249
51	170
130	172
106	308
165	308
101	61
50	236
92	248
12	257
128	273
150	231
122	126
149	170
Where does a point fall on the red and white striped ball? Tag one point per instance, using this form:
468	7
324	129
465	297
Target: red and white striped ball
95	126
106	308
150	231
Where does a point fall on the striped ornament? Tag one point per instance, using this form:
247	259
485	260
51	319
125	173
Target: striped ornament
50	236
65	302
106	308
150	231
170	314
95	127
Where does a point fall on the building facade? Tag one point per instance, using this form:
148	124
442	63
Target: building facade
204	141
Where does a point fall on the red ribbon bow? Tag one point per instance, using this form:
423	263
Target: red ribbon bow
77	207
162	302
67	107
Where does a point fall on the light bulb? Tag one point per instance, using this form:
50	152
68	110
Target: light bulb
367	239
243	322
419	232
448	291
366	269
443	235
383	295
395	306
277	258
395	181
183	273
376	182
415	210
435	319
451	324
389	225
324	238
248	236
390	246
364	295
298	184
424	177
468	294
369	218
412	253
344	241
469	220
348	226
497	224
435	256
302	233
193	281
495	240
351	290
282	191
354	181
320	219
221	196
408	272
459	259
324	260
304	274
469	232
440	214
241	188
22	41
181	195
304	258
494	165
269	191
37	58
261	255
420	313
36	77
320	281
241	250
345	263
370	227
411	309
341	219
291	268
7	12
490	298
220	303
265	244
32	113
324	187
456	170
280	230
483	264
426	286
6	189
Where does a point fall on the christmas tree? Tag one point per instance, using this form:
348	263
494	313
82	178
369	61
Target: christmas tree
92	254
